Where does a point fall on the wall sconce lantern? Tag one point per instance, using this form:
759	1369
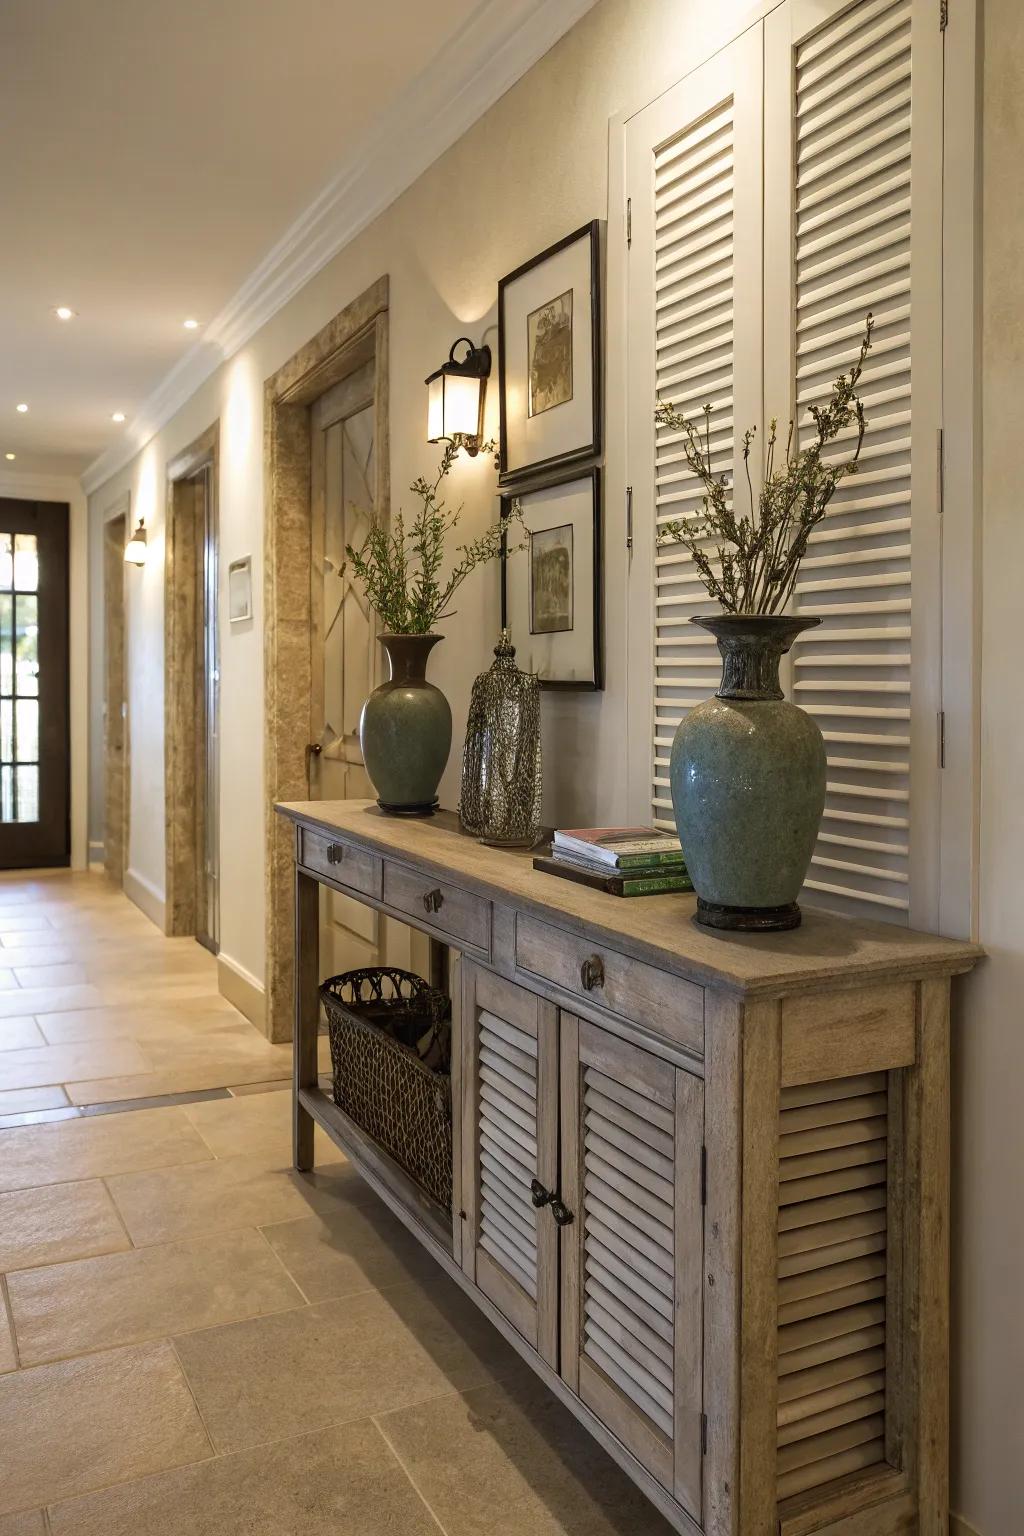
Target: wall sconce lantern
455	398
135	549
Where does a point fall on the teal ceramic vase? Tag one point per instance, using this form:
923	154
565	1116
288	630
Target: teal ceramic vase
405	729
748	781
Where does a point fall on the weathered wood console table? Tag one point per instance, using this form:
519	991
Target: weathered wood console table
737	1272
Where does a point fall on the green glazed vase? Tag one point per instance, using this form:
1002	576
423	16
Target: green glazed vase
405	729
748	781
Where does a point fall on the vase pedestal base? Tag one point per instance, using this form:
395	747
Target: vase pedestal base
427	809
711	914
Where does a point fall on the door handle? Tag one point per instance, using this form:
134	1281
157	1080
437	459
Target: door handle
313	749
433	901
539	1195
562	1214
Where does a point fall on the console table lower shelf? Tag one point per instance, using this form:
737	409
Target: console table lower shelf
700	1184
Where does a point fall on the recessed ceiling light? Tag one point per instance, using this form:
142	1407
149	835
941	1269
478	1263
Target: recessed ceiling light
10	455
64	313
118	416
191	325
22	408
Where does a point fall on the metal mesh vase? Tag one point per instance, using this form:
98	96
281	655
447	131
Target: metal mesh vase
501	768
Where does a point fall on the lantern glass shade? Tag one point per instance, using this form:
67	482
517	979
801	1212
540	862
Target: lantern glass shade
455	398
135	549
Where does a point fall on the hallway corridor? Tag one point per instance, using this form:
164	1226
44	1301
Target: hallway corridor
195	1339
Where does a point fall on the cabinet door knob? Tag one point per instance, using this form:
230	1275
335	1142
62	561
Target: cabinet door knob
335	853
539	1195
562	1214
592	973
433	900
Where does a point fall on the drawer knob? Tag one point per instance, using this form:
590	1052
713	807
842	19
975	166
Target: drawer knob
335	853
592	973
433	901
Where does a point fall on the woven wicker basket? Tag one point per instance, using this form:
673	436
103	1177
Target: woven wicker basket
380	1081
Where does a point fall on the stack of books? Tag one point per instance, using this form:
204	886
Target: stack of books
624	861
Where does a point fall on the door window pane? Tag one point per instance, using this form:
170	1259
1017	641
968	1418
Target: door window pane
26	645
6	730
6	654
26	562
28	730
6	793
6	568
28	794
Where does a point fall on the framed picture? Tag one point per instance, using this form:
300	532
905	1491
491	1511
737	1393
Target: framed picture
551	590
240	590
549	358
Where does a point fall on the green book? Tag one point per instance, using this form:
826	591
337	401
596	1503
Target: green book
616	884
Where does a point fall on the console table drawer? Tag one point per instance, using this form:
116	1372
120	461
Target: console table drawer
454	912
640	993
341	862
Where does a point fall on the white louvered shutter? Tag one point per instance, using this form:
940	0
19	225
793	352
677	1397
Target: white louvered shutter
632	1258
694	337
853	223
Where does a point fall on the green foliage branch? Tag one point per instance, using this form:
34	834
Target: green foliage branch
400	566
758	553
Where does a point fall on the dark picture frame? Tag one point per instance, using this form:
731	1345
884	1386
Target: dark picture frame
517	571
522	317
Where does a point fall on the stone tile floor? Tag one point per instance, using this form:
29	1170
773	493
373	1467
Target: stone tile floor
194	1338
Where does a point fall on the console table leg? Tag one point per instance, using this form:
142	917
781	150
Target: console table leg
307	1013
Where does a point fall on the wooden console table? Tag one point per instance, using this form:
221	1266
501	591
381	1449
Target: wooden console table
737	1273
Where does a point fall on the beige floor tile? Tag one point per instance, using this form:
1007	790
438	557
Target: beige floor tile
340	1482
89	1149
204	1050
242	1090
83	1424
236	1192
8	1355
151	1085
32	956
20	1034
367	1353
39	1000
125	1023
8	981
42	1065
32	1522
359	1247
13	921
56	1223
510	1459
18	1101
54	975
123	1298
259	1125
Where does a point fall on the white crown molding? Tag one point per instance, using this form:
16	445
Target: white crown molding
495	48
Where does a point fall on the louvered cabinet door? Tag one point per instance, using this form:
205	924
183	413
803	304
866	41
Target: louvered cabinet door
510	1144
853	223
694	271
632	1134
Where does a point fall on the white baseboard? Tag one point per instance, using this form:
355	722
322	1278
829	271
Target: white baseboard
242	990
145	896
958	1526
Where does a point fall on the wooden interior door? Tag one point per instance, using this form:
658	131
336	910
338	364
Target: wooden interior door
632	1260
115	707
35	814
509	1148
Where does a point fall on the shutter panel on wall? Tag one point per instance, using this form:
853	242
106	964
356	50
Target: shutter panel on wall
842	88
694	178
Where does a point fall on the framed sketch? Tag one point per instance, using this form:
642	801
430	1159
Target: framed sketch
549	358
551	590
240	590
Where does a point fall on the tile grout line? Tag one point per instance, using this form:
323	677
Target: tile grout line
117	1209
5	1302
195	1401
412	1481
284	1268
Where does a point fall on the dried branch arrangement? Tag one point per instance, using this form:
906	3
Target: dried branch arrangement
759	552
400	567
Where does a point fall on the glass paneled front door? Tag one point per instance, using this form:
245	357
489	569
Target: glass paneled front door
34	734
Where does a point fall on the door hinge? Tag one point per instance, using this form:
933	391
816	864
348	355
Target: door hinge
629	517
703	1175
703	1434
943	15
941	735
940	477
629	222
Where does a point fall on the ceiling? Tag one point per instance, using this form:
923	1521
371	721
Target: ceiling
155	150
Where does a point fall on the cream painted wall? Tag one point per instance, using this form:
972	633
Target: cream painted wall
531	170
988	1269
64	488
